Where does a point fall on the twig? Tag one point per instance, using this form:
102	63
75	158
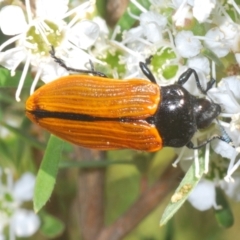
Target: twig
147	201
91	196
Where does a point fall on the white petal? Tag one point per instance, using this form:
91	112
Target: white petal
51	71
187	45
25	223
84	34
152	32
12	20
215	41
203	195
133	34
237	56
11	58
78	59
191	86
54	9
232	189
233	83
200	63
227	95
202	66
202	9
4	219
23	188
2	237
102	24
182	15
223	148
153	17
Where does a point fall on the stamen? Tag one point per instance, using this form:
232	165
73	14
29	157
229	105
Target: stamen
133	75
90	57
45	28
126	49
82	8
214	70
207	154
139	6
10	41
234	5
175	163
43	35
29	12
35	81
232	168
224	124
12	231
216	206
132	15
226	115
196	161
22	79
116	31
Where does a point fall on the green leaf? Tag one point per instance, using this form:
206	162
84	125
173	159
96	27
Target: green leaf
5	150
101	7
92	164
223	215
47	173
183	191
6	80
51	227
22	134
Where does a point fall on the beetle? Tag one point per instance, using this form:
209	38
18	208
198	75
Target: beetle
101	113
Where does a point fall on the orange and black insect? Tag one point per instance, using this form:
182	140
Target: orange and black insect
102	113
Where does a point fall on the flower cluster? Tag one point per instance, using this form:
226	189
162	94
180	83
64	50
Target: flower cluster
20	222
200	35
38	31
176	34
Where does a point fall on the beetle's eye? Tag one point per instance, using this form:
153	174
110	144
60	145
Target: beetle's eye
205	112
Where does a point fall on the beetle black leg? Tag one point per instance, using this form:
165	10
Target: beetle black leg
210	84
62	64
146	71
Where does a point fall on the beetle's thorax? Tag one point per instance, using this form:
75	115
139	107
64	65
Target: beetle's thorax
175	118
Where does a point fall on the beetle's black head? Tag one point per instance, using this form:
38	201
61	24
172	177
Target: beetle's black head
205	112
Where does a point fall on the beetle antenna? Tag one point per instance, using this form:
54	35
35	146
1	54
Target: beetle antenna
62	64
147	72
225	138
184	77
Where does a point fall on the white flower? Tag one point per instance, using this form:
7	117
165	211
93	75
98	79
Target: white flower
202	66
232	189
152	26
202	9
24	223
227	95
21	222
217	42
183	14
35	37
187	45
203	196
